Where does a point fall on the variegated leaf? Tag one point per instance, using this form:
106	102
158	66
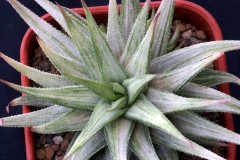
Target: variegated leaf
118	133
135	85
49	80
73	121
59	42
212	78
139	63
115	36
165	153
141	143
78	97
136	35
35	118
162	31
207	142
190	55
197	91
168	102
174	80
162	138
109	67
120	103
149	21
128	15
100	117
143	111
173	41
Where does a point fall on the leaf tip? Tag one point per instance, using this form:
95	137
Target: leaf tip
1	122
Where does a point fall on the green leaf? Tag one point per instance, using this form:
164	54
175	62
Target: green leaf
207	142
73	121
118	133
139	63
128	15
149	21
100	117
84	47
174	80
78	97
161	138
168	102
141	143
173	41
191	124
59	42
137	34
197	91
163	26
35	118
212	78
143	111
115	36
120	103
49	80
190	55
165	153
135	85
109	67
63	64
102	89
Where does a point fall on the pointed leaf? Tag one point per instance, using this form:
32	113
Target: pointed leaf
49	80
59	42
35	118
102	89
137	34
143	111
141	143
82	98
173	41
115	36
168	102
163	26
139	63
212	78
135	85
173	80
120	103
207	142
118	133
100	117
190	55
108	64
165	153
73	121
161	138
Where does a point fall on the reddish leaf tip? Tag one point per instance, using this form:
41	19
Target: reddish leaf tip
1	122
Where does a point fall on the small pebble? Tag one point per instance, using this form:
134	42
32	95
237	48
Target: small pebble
49	153
40	154
58	140
187	34
200	35
64	145
181	27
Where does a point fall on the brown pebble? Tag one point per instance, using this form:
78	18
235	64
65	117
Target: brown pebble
59	153
38	52
188	26
69	136
200	35
40	154
45	65
49	153
216	150
37	62
181	27
176	22
42	139
55	147
64	145
60	158
37	144
187	34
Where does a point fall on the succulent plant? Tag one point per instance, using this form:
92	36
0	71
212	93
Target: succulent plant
126	89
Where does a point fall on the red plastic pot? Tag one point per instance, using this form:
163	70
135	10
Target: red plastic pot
188	12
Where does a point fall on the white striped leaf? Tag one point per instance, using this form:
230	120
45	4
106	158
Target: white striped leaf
165	153
84	47
78	97
161	138
120	103
212	78
35	118
73	121
128	15
108	64
100	117
59	42
63	64
173	80
118	133
115	36
49	80
190	55
141	143
200	127
149	21
102	89
108	155
168	102
136	35
143	111
173	41
163	26
197	91
135	85
207	142
139	62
